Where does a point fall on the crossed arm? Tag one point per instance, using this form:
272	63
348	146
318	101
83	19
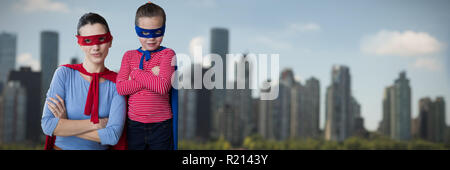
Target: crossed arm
81	128
131	80
54	120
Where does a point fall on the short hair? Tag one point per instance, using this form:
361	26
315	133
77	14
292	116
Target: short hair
91	18
150	10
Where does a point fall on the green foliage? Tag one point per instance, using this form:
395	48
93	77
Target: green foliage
220	144
373	142
21	147
256	142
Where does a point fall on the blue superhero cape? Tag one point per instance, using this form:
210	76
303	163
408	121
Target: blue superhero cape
174	105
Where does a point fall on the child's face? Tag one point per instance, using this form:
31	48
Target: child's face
95	53
150	23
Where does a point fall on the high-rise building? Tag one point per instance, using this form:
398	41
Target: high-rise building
312	105
8	45
447	134
415	128
401	109
12	121
265	119
358	122
219	46
49	60
385	124
282	106
31	82
431	120
396	121
204	114
2	114
195	111
299	117
221	110
241	101
188	106
339	116
304	109
439	106
294	114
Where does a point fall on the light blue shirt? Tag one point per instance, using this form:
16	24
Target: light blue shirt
73	89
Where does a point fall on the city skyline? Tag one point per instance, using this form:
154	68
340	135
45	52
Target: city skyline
309	36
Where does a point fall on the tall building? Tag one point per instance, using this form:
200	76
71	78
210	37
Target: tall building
275	116
299	118
12	121
305	110
294	114
431	120
49	60
439	106
241	101
31	82
221	111
282	106
204	114
236	120
312	105
195	112
8	46
415	128
396	121
385	124
447	135
220	46
264	125
401	109
187	115
339	118
2	115
358	122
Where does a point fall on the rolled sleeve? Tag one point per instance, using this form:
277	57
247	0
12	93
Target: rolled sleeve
48	125
48	120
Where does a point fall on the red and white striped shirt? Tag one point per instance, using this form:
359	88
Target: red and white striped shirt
148	100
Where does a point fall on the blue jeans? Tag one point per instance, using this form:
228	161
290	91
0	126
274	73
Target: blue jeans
149	136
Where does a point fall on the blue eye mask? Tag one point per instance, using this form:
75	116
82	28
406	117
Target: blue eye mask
150	33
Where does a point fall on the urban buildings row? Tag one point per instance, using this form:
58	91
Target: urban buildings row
22	91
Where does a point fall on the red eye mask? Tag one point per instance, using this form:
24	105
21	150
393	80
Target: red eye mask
94	39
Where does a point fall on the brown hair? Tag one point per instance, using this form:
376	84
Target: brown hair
150	10
91	18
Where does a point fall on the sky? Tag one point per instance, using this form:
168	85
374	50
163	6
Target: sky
375	39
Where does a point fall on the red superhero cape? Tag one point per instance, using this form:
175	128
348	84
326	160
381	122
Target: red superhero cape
92	103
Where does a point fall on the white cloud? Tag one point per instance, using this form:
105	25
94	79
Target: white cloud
298	78
197	55
196	42
41	5
308	27
430	64
25	59
395	43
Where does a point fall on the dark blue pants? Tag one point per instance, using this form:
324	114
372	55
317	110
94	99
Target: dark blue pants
149	136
